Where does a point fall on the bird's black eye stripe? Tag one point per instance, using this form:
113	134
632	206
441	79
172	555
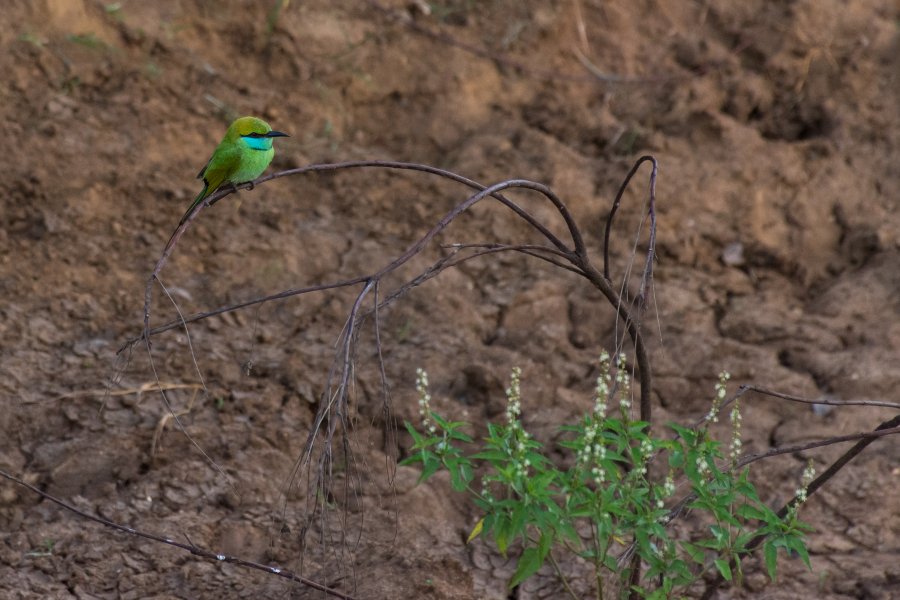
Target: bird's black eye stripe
254	135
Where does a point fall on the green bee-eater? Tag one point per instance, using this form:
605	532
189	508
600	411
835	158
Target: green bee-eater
241	156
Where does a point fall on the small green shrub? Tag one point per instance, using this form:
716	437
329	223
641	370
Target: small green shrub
604	507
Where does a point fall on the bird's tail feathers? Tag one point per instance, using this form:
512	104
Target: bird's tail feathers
203	194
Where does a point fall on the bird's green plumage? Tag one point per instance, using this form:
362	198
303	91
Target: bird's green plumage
241	156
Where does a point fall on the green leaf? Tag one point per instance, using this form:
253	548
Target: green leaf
441	422
796	544
719	533
727	517
502	534
536	460
580	512
491	455
482	505
544	545
416	436
637	428
489	520
695	552
653	572
709	543
466	472
724	568
745	511
430	466
741	541
680	572
460	436
779	542
528	565
688	435
613	455
613	426
771	553
517	521
413	459
476	531
658	531
746	489
568	531
457	482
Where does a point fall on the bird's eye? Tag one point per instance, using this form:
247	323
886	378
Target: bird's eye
255	135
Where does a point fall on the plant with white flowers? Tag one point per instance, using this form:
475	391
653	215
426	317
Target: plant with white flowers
605	507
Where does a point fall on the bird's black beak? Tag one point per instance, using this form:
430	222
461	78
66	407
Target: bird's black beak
272	134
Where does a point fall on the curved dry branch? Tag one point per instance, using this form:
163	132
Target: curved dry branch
317	168
632	326
602	281
333	410
451	260
190	547
647	276
406	166
175	323
839	439
618	200
578	257
767	392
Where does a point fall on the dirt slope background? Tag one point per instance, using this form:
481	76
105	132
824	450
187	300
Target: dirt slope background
775	125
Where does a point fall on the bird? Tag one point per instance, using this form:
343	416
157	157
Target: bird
241	156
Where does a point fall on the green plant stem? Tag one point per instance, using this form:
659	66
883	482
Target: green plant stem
562	578
599	584
598	561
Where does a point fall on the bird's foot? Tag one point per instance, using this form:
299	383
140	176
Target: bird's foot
251	184
234	187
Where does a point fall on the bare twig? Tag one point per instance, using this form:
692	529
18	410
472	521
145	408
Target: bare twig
838	439
189	547
171	410
618	200
138	391
767	392
316	168
599	74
